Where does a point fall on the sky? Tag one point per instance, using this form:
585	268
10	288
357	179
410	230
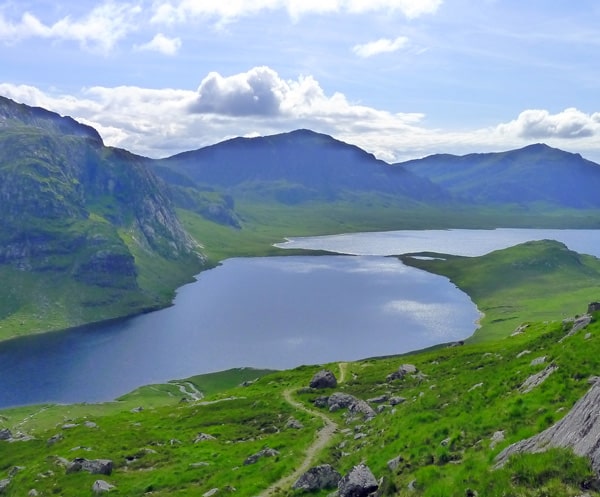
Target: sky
402	79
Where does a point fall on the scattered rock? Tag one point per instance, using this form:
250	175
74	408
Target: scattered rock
93	466
359	482
402	371
321	401
211	492
14	470
294	424
392	464
378	400
587	336
137	409
445	442
394	401
5	434
4	485
323	379
90	424
537	379
263	453
200	464
521	354
471	493
318	478
537	361
101	486
497	437
412	485
519	330
203	437
33	493
578	324
579	431
54	438
69	426
474	387
341	400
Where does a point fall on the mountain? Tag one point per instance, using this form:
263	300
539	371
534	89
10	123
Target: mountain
294	167
79	221
536	173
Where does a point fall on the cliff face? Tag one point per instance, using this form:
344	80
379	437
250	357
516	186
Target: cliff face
72	206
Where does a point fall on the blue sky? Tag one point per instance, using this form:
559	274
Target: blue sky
399	78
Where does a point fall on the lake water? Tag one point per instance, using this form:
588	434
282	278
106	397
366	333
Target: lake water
277	312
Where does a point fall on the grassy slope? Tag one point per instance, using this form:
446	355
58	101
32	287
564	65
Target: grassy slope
535	281
443	431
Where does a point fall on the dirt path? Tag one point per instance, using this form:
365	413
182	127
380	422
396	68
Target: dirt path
322	439
189	389
343	366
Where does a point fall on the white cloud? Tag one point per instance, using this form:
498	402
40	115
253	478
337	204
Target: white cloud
182	10
162	44
540	124
162	122
99	30
380	46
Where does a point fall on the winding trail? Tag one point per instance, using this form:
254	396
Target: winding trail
189	389
324	436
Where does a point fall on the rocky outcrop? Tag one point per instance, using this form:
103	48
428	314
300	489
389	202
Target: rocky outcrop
101	487
579	431
401	372
355	406
578	324
318	478
5	434
359	482
537	379
93	466
263	453
4	484
203	437
323	379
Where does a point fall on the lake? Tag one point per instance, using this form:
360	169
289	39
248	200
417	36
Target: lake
277	312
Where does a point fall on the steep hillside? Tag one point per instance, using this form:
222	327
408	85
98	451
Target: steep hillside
534	174
81	226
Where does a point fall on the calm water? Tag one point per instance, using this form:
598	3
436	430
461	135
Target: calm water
273	312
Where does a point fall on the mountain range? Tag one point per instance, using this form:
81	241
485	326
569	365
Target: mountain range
91	232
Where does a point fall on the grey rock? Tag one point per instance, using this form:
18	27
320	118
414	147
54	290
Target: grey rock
93	466
537	379
579	431
497	437
14	470
294	424
401	372
524	352
101	486
263	453
200	464
321	401
33	493
69	426
359	482
203	437
538	360
392	464
339	400
54	438
394	401
137	409
4	484
474	387
587	336
211	492
90	424
578	324
5	434
323	379
378	400
318	478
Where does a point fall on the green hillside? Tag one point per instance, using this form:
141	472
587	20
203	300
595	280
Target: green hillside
434	431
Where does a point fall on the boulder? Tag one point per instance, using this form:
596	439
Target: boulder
294	424
263	453
394	401
340	400
359	482
323	379
202	437
401	372
392	464
4	485
101	486
93	466
5	434
579	431
211	492
318	478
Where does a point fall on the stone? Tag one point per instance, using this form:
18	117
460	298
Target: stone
578	430
401	372
394	463
359	482
90	424
537	379
211	492
537	361
578	324
378	400
137	409
54	438
323	379
69	426
33	493
5	434
203	437
339	400
318	478
263	453
101	486
4	485
497	437
524	352
294	424
93	466
394	401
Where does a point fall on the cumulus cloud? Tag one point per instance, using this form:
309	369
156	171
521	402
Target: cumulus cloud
182	10
540	124
162	44
162	122
380	46
99	30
